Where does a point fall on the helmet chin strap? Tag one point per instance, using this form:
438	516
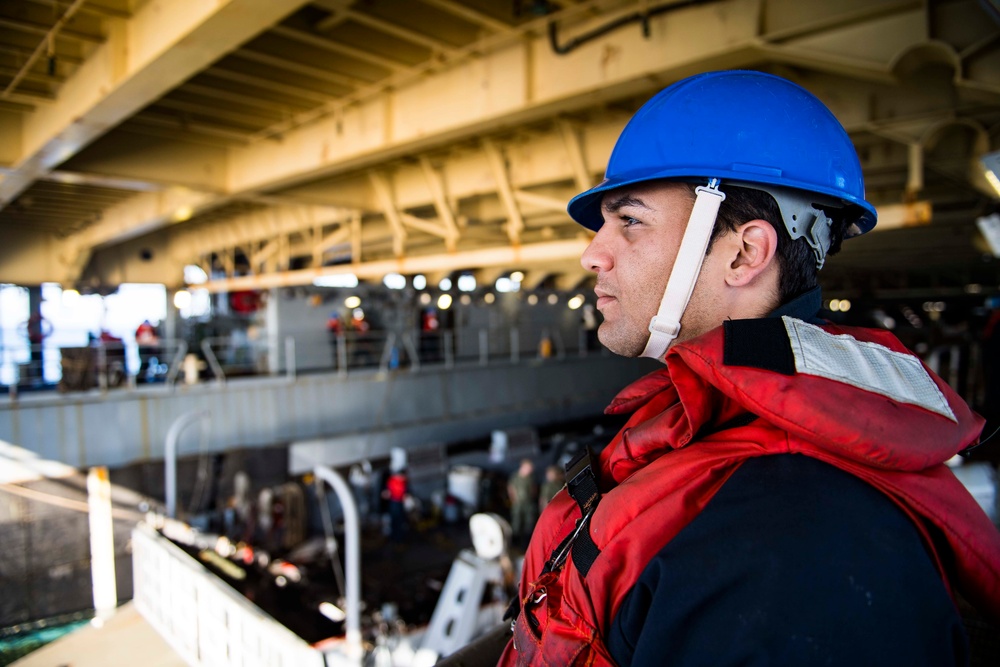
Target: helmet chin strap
666	324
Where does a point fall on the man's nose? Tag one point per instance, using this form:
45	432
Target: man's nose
596	257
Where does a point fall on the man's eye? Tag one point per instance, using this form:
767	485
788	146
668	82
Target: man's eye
628	221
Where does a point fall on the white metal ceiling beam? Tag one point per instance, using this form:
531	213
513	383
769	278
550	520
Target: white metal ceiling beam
515	221
528	255
538	163
99	180
842	17
144	57
32	98
23	52
244	230
384	196
259	258
92	8
321	73
46	43
436	184
427	226
176	205
43	31
468	14
571	137
337	237
521	82
541	201
161	208
267	84
337	47
335	7
401	32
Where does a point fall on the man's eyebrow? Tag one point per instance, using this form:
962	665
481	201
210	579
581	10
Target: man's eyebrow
614	205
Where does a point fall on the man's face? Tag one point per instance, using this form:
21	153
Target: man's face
632	256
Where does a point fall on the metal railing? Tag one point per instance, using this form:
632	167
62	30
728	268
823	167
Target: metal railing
107	366
102	365
205	620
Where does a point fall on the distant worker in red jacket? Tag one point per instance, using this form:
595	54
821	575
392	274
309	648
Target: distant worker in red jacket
778	495
397	490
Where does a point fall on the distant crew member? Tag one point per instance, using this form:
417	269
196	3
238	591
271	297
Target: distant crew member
523	494
554	482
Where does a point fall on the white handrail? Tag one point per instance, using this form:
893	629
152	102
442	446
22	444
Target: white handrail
352	537
170	455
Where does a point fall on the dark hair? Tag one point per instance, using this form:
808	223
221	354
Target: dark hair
796	261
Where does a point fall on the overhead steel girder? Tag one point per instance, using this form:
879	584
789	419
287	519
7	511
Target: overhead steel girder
448	185
145	56
541	179
529	255
241	231
525	82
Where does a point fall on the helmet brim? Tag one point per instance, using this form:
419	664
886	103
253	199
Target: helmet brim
585	208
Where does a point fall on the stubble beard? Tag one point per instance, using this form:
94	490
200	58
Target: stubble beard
623	341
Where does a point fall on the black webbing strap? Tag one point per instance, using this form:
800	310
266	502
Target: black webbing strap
581	483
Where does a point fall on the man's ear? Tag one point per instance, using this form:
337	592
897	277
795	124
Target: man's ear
753	251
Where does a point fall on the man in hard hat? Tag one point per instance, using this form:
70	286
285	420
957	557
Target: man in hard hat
779	493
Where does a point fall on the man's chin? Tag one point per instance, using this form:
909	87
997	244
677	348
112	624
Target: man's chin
618	344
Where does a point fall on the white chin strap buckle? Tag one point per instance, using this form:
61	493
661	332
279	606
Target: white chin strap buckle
659	325
665	326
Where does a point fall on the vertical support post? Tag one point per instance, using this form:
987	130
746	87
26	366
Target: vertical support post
352	559
515	346
102	542
448	339
12	389
102	367
484	347
341	354
273	328
356	238
37	330
170	324
290	366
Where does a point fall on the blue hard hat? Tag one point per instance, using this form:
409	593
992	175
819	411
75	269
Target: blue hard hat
742	127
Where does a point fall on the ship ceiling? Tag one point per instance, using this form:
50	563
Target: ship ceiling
274	142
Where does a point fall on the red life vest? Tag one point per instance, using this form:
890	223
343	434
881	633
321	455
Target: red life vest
887	420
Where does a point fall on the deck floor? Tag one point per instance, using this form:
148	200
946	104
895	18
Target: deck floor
125	639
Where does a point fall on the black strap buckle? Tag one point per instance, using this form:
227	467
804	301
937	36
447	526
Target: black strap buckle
581	482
